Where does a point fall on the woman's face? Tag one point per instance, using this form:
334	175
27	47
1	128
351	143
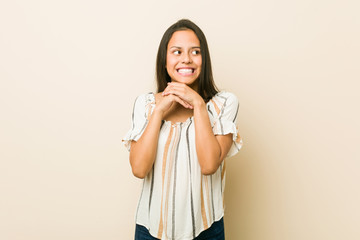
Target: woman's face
183	59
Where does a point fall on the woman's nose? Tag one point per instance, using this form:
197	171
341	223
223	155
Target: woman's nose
186	58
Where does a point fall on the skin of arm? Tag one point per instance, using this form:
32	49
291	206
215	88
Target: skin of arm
211	149
143	151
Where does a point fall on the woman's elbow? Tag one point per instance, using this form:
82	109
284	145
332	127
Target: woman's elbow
209	169
207	172
138	170
138	174
210	164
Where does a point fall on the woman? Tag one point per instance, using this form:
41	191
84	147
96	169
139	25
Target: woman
178	141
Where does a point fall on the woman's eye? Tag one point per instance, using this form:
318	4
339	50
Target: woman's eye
195	52
177	52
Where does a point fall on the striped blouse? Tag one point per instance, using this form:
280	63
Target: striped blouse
177	201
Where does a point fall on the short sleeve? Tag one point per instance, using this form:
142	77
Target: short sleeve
227	106
139	120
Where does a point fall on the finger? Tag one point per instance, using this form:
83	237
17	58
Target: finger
177	84
166	90
173	91
179	91
181	88
177	94
182	102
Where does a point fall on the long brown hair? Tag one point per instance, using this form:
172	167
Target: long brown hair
206	85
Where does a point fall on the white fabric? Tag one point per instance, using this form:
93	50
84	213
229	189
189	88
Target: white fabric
177	201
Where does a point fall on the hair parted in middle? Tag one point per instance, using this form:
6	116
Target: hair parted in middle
206	85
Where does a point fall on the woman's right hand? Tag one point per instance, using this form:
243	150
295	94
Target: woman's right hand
164	103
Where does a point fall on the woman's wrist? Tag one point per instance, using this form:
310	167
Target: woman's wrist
158	113
199	103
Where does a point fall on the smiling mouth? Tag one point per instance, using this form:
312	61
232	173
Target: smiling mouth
185	70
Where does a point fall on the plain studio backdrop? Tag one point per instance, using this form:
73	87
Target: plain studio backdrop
71	70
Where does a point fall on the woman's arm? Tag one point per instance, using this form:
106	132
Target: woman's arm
143	151
211	149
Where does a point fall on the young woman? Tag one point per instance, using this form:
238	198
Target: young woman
178	141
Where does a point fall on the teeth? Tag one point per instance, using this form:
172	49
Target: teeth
185	70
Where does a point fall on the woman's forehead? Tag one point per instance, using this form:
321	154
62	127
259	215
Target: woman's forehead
183	38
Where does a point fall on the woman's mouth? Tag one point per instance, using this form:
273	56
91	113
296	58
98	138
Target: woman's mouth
185	71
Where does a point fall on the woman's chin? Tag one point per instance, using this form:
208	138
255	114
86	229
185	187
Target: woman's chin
188	82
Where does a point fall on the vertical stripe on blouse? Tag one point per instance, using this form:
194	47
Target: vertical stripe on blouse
223	180
237	110
133	115
171	162
191	194
203	213
151	187
221	166
174	183
163	179
221	114
212	198
208	195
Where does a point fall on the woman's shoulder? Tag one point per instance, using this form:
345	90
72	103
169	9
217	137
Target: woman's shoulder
222	102
224	96
145	98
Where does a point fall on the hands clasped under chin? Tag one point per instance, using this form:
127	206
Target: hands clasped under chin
182	94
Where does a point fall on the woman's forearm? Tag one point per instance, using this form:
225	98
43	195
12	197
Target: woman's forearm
143	152
207	146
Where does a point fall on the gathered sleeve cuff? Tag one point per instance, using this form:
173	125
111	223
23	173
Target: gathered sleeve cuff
139	120
225	121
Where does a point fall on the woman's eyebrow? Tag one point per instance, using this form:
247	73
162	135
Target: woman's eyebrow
181	47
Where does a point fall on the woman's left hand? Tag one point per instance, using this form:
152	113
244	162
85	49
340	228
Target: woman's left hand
184	92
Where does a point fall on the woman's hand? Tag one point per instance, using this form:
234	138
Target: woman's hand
166	102
184	93
210	149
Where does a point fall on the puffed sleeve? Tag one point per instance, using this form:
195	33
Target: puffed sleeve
139	121
225	121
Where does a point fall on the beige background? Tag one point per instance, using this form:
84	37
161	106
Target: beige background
70	72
